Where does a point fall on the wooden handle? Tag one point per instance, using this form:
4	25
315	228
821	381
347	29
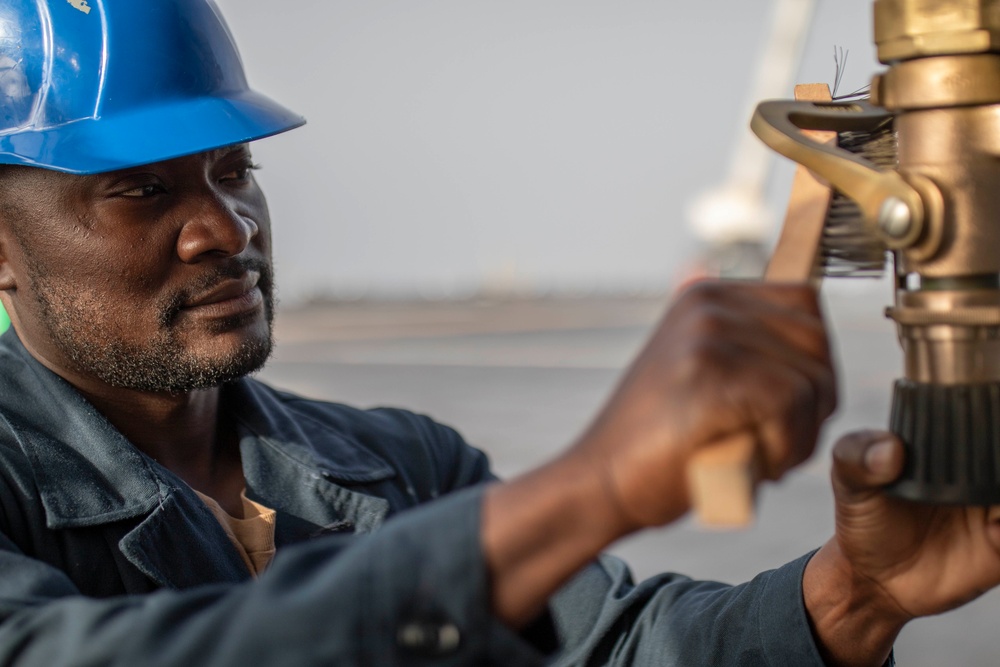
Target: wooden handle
722	478
796	257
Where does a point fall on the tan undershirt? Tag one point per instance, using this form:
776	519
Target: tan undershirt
252	535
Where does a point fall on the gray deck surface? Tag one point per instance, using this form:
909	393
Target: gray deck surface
521	378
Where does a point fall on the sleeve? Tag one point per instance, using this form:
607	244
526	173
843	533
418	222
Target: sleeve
413	593
601	617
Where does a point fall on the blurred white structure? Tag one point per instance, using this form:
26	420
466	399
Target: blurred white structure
737	210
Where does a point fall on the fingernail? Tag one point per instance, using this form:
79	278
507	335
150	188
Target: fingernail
878	458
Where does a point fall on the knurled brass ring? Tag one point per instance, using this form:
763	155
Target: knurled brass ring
975	316
940	82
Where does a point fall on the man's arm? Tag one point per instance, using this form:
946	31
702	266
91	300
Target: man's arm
422	579
413	593
752	358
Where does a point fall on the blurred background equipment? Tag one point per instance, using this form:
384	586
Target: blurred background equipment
734	221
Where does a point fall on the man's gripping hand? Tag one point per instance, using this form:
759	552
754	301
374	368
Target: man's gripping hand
727	358
891	560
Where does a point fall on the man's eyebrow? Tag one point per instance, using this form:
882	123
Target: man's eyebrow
234	149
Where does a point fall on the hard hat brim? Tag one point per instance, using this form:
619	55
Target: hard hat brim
150	134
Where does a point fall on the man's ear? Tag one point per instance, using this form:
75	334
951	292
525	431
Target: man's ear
7	279
10	215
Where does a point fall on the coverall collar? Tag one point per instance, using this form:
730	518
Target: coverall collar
89	474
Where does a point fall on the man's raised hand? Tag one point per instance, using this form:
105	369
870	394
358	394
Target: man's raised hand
727	358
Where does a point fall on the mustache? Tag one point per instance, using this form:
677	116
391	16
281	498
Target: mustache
234	267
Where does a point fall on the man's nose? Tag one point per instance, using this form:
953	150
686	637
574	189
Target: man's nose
214	229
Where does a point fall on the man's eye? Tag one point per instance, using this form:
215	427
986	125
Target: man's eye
143	191
240	174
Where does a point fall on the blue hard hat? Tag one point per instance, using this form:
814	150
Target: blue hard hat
95	85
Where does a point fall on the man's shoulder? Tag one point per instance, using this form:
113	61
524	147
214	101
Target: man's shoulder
382	422
33	398
408	442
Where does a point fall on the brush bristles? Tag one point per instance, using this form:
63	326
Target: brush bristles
848	249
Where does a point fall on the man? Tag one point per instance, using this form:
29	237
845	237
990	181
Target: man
145	480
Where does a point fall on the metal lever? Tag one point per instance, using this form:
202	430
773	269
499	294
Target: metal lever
892	207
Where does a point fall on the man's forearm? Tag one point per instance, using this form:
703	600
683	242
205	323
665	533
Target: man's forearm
417	585
540	529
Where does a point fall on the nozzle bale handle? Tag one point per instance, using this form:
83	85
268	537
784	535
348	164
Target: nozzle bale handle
878	192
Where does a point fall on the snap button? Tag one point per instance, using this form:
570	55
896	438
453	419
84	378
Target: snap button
429	639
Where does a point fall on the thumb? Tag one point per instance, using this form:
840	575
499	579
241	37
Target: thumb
864	461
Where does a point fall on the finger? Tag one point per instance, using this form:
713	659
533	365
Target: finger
748	383
864	462
729	345
784	405
798	296
993	526
775	379
797	366
788	435
793	297
780	313
993	514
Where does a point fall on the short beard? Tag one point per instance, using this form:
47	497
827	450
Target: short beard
162	364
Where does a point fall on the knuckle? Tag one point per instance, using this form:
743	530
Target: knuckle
803	296
796	391
783	454
705	355
706	291
710	322
828	390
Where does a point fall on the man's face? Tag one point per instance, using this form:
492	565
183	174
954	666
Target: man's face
155	278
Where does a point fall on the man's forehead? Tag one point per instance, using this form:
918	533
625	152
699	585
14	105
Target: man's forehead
204	157
8	172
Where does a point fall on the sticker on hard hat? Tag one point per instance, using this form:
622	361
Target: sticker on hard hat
81	5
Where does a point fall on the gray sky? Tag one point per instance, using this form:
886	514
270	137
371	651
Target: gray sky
546	145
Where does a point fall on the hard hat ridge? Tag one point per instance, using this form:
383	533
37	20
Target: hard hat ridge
95	85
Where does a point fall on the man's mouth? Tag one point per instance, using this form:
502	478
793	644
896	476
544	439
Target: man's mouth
230	296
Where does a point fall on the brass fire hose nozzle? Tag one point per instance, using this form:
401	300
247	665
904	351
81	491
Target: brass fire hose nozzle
936	206
943	87
907	29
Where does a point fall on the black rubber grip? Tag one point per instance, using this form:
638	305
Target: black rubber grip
952	438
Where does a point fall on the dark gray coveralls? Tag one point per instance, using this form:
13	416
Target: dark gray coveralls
107	558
